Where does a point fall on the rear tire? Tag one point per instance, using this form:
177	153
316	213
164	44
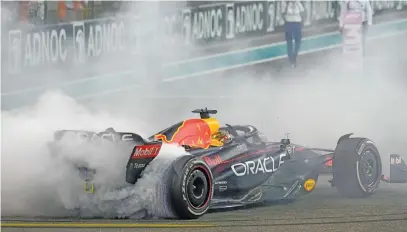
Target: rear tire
357	167
192	188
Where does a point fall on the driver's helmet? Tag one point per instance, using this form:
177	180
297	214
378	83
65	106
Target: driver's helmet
222	136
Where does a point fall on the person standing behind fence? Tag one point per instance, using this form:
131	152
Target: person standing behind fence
71	10
292	13
367	16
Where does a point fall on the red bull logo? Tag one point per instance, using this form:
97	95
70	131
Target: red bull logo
192	132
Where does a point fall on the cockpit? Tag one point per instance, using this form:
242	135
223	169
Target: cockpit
205	132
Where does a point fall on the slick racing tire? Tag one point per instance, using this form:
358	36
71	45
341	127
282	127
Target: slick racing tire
191	187
357	167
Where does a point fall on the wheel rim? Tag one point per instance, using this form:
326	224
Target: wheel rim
368	168
197	188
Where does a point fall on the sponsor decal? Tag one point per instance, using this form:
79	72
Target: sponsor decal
242	19
260	166
223	188
309	185
115	137
146	151
222	185
97	38
213	160
221	182
37	48
329	162
136	165
82	41
395	160
91	136
360	150
195	133
184	182
79	41
88	187
75	42
245	18
203	23
290	149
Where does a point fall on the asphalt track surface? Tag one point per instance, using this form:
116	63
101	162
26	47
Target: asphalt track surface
323	210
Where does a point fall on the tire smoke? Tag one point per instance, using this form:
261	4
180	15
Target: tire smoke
38	183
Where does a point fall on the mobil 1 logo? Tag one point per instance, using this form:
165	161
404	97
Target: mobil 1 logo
245	18
79	41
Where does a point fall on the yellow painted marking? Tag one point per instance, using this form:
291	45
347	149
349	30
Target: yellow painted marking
102	225
309	185
88	189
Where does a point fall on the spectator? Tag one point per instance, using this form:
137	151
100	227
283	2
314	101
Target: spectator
292	13
365	9
72	10
61	10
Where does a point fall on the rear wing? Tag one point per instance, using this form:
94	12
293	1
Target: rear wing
398	170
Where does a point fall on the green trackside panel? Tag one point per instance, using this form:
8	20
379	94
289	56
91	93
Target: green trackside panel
244	57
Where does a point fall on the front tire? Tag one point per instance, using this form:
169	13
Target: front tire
357	167
192	188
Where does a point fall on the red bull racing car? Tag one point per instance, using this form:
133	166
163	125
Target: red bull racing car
233	166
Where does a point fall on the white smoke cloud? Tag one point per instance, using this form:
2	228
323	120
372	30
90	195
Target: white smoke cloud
36	182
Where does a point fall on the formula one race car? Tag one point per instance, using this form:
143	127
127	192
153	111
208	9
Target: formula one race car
234	166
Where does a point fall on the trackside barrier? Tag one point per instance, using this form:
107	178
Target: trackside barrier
39	48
